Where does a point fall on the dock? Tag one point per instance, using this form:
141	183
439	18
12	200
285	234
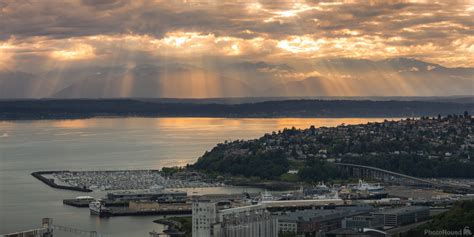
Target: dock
84	203
119	211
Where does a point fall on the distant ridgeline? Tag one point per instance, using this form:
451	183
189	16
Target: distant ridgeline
86	108
425	147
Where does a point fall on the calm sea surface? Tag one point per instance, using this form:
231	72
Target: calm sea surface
107	144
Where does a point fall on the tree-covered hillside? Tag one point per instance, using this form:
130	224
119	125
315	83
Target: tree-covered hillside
425	147
458	221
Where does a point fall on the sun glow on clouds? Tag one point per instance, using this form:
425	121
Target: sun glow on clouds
297	9
209	44
173	43
4	55
257	30
191	44
76	52
301	44
286	14
278	41
185	39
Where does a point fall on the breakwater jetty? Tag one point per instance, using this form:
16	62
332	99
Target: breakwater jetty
50	182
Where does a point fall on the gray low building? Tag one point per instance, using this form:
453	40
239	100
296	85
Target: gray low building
404	215
314	221
363	221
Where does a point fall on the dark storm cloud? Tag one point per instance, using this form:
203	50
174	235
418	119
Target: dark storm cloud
55	19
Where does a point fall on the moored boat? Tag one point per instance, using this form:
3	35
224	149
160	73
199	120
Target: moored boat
98	208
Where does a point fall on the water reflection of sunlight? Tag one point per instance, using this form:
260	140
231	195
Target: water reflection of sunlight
211	124
71	124
254	123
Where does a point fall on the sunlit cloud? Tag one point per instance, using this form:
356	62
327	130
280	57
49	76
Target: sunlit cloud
76	52
292	12
172	44
237	28
5	55
81	34
301	44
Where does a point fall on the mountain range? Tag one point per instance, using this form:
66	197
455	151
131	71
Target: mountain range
324	77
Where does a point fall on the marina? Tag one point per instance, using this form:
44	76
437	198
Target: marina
125	180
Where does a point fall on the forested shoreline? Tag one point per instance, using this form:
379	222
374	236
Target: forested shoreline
88	108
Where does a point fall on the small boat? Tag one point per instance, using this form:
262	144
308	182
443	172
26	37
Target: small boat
85	198
98	208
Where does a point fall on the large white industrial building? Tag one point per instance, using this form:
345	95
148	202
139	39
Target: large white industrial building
211	220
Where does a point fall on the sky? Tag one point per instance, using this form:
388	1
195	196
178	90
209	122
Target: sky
281	41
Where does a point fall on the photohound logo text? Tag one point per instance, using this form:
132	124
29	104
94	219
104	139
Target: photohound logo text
466	231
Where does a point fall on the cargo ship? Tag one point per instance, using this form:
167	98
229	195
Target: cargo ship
363	186
369	191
